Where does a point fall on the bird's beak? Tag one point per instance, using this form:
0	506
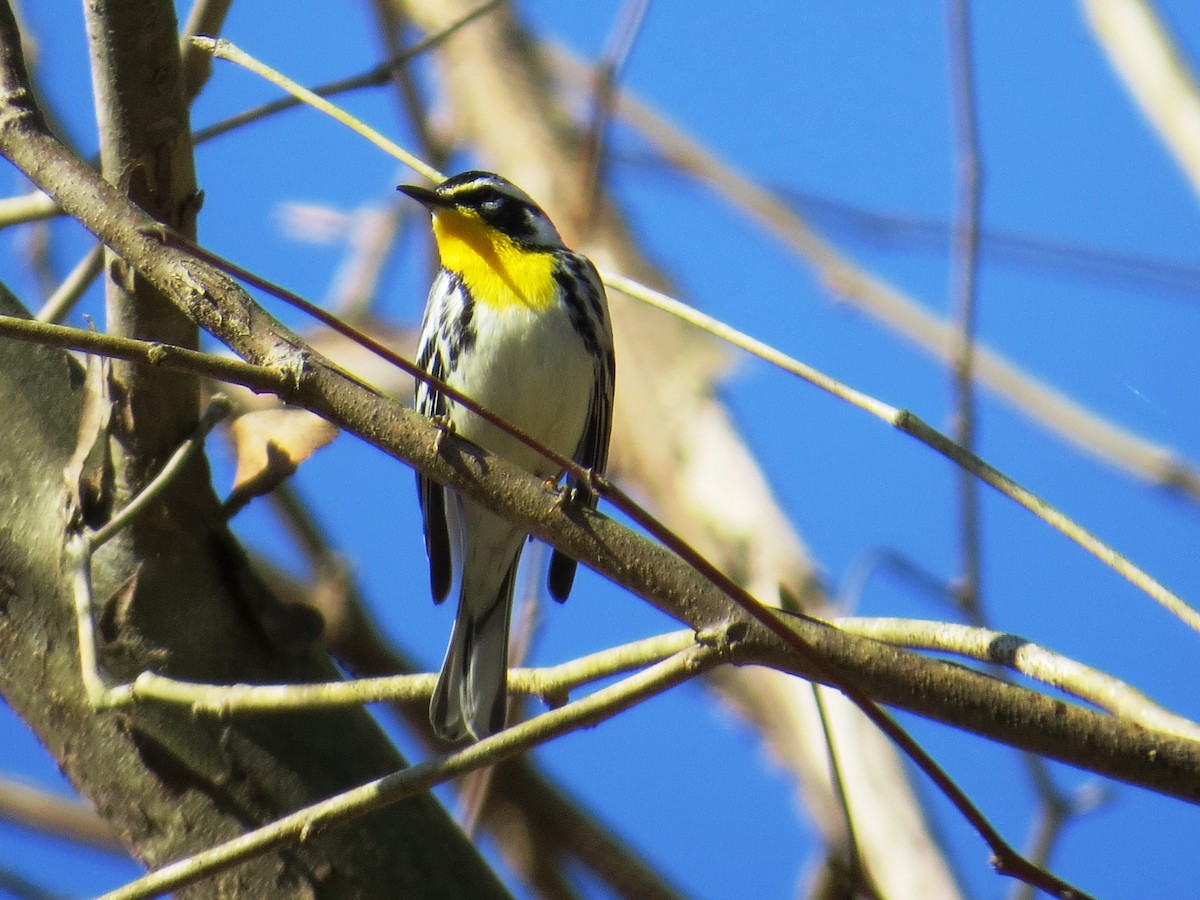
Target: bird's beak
431	200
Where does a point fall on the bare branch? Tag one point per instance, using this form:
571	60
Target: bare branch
67	819
232	371
524	808
964	267
146	149
1027	658
523	736
73	287
894	679
910	424
1049	407
552	684
1155	72
150	770
206	17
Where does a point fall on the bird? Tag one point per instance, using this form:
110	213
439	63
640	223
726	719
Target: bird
519	323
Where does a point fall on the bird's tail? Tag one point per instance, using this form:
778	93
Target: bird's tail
471	696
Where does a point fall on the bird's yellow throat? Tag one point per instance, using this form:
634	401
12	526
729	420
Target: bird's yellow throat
493	267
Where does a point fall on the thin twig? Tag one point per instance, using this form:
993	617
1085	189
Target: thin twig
205	17
543	812
81	544
67	819
608	70
859	877
392	20
909	231
73	287
223	49
78	560
234	371
218	408
1006	859
307	822
985	649
1053	818
885	559
964	302
553	683
18	887
1027	658
31	207
1049	407
912	425
964	291
375	77
900	419
1156	73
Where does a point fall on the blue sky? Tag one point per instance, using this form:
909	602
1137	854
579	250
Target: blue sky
847	102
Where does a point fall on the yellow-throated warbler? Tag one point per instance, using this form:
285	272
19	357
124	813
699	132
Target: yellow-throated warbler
519	323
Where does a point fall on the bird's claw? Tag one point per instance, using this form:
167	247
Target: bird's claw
445	429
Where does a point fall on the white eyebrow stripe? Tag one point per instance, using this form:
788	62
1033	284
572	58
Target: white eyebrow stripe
475	184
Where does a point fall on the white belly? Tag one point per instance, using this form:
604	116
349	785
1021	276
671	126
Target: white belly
531	370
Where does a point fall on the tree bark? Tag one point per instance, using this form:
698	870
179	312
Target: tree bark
941	691
174	593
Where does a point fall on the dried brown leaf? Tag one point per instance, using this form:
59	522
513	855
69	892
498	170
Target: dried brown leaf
270	445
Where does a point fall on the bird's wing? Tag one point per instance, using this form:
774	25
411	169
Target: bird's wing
591	452
431	357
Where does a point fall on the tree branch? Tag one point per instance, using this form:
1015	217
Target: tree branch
946	693
303	824
168	783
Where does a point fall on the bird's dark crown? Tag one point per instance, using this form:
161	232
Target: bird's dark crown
501	205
